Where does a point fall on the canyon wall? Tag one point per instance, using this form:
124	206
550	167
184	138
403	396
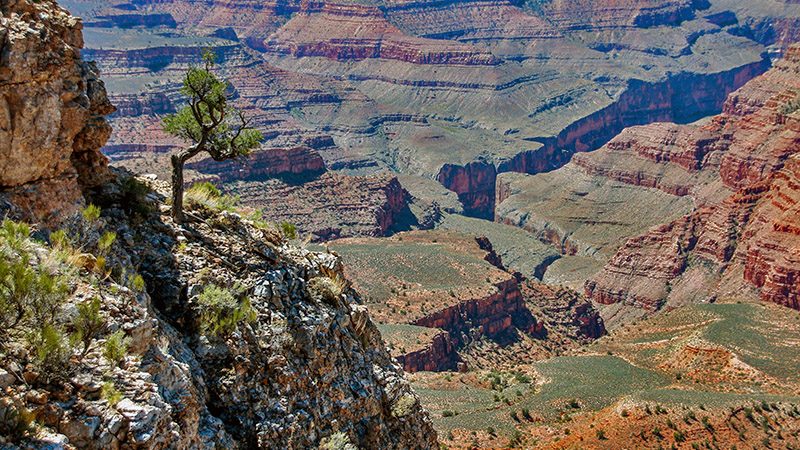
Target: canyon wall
748	237
682	98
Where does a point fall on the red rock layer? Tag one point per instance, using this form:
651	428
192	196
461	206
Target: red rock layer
772	240
755	227
301	162
355	32
330	206
475	185
489	316
439	355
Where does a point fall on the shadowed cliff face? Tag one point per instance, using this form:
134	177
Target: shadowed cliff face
745	233
682	98
52	108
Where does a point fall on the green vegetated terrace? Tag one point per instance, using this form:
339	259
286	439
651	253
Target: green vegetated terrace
627	366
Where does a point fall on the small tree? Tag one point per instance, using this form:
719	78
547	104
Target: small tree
209	123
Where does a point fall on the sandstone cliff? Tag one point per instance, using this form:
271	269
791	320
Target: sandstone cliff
52	108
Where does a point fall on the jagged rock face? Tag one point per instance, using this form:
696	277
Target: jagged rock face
748	237
309	363
52	111
771	252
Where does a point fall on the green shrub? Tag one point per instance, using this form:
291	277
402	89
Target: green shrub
791	106
51	353
526	413
134	202
106	241
30	295
87	324
601	434
206	195
116	348
220	312
404	405
91	213
448	413
289	230
138	283
110	393
679	436
16	422
337	441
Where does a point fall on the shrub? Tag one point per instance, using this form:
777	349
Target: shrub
327	289
289	230
134	202
679	436
514	416
116	348
207	196
522	378
88	323
51	353
516	439
106	241
526	413
138	283
16	422
790	106
404	405
337	441
220	312
448	413
601	434
91	213
27	293
110	393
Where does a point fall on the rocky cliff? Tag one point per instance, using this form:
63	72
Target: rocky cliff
52	108
744	238
304	365
123	330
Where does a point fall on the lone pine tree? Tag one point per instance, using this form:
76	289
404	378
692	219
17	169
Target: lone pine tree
209	123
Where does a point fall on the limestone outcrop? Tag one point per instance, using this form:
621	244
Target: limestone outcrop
52	108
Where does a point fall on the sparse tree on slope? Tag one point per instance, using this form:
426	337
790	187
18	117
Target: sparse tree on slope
213	126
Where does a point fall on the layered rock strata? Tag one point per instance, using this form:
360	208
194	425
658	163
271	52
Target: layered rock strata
750	236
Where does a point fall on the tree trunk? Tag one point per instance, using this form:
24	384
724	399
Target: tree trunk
177	188
178	160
